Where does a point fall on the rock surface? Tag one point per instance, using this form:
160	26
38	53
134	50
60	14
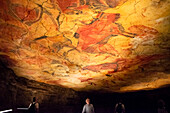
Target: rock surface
88	45
17	92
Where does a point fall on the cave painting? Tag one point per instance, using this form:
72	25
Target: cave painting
112	45
94	37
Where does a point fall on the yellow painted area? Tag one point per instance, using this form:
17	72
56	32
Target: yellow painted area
53	45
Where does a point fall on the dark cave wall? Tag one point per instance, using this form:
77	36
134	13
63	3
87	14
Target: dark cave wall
135	102
18	91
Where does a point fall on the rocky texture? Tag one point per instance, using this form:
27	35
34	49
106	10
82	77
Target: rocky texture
109	45
18	92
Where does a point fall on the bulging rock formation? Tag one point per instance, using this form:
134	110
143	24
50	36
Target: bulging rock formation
87	45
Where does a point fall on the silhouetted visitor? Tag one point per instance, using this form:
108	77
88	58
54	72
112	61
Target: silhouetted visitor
161	107
34	106
88	108
119	108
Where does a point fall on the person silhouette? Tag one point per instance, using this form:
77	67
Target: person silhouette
119	107
34	106
161	107
88	108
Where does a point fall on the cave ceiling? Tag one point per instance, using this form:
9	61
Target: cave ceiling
88	45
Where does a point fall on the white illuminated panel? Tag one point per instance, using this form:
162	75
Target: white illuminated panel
5	111
22	108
